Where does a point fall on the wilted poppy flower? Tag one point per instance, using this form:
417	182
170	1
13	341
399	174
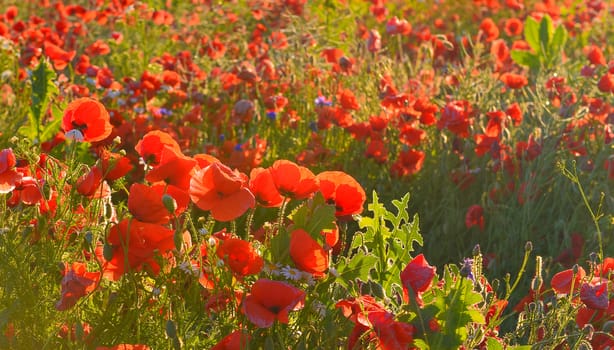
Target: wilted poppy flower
562	281
89	117
240	256
595	296
136	243
8	175
307	253
292	180
76	283
475	217
222	191
263	187
343	191
417	276
271	300
151	145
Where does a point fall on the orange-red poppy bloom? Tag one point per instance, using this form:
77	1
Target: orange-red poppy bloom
92	184
151	145
236	340
173	168
514	81
135	245
417	277
9	177
222	191
562	282
124	347
114	165
89	117
271	300
263	187
343	191
292	180
308	255
146	203
240	256
76	283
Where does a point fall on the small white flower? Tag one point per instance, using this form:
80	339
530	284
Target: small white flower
271	269
291	273
189	269
308	278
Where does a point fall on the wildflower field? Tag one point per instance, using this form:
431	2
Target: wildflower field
293	174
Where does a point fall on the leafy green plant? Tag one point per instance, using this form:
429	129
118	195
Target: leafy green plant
546	43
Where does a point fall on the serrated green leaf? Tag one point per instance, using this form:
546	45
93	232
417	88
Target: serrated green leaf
525	58
43	90
358	267
531	33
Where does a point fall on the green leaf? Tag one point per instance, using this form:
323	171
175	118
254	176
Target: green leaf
525	58
358	267
531	34
43	91
558	42
493	344
546	31
314	216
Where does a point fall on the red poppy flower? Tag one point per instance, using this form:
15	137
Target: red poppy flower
58	56
114	165
343	191
292	180
271	300
308	255
490	29
417	276
136	244
222	191
562	281
9	177
236	340
173	168
125	347
409	163
89	117
456	117
146	204
595	296
475	217
514	81
92	185
151	145
76	283
513	26
240	256
263	187
374	324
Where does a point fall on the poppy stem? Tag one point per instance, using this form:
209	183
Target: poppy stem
282	210
248	223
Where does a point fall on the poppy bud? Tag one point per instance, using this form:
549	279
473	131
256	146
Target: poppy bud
169	203
528	246
476	250
608	326
171	329
107	252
